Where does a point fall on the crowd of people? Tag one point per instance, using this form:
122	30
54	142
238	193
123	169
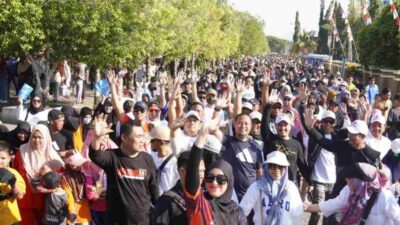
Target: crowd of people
261	140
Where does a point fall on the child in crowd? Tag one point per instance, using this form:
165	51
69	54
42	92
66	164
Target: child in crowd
12	187
76	183
58	204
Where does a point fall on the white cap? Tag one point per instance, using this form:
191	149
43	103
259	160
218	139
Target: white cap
192	113
378	118
256	115
358	127
283	117
213	144
328	114
248	106
278	158
395	145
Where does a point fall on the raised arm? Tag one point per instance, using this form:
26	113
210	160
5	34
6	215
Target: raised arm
117	104
237	108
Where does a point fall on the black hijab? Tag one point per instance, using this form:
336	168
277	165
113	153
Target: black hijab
32	109
226	211
12	136
72	120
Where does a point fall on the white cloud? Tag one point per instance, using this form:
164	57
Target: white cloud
279	15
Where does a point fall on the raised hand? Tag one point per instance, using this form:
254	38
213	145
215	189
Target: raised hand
302	92
309	118
112	80
222	101
267	77
209	126
343	107
177	123
101	127
195	77
240	87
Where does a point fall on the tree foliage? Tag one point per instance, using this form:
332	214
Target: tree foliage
117	32
277	44
379	43
322	32
296	35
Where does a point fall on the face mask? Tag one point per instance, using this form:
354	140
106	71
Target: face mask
86	121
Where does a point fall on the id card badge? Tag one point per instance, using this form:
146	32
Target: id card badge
55	146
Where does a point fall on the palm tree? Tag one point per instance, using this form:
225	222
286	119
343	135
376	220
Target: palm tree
307	44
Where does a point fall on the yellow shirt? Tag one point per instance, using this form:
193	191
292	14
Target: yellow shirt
9	212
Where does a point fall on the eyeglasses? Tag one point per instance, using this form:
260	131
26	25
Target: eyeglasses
139	110
328	121
286	99
36	100
221	179
274	166
202	97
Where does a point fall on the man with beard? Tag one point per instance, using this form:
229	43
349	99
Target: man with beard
167	172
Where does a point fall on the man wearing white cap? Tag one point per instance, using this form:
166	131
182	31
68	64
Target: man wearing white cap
375	139
283	141
347	152
183	140
255	132
322	162
167	171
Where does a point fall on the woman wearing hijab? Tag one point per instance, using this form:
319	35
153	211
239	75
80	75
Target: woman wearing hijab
106	108
364	188
18	136
215	206
274	198
35	112
73	124
32	160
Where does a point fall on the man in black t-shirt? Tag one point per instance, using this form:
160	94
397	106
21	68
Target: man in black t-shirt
62	140
132	185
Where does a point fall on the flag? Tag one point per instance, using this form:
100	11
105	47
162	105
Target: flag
395	13
366	16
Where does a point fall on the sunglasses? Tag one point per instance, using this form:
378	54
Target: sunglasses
36	100
202	97
274	166
221	179
328	121
286	99
139	110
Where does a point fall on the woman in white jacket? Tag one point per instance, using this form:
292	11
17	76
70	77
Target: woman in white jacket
274	198
364	184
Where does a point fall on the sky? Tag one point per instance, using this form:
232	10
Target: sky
279	15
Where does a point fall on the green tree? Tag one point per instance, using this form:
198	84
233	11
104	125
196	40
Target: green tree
307	44
252	37
20	27
277	44
322	32
379	43
296	35
374	8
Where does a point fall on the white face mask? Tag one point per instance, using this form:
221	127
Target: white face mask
87	120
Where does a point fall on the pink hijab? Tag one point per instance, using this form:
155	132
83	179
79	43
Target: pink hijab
34	159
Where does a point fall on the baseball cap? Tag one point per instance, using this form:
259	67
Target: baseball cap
255	116
141	105
378	118
396	146
213	144
194	114
7	182
161	133
278	158
212	92
248	105
283	117
55	114
358	127
328	114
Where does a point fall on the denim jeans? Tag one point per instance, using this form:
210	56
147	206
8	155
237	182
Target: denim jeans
320	192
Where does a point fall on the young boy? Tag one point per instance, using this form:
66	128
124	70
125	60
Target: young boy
12	187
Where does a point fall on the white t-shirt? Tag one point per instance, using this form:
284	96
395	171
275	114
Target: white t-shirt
382	145
182	142
169	175
384	211
325	168
23	115
292	204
